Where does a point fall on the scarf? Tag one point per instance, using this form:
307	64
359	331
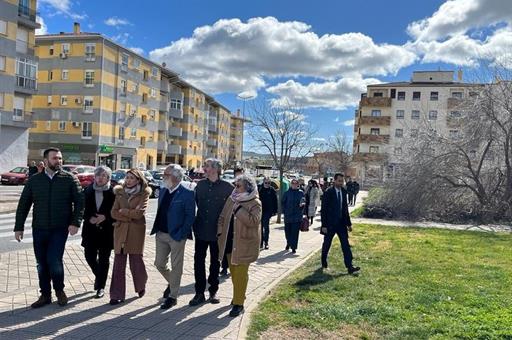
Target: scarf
132	191
98	193
243	196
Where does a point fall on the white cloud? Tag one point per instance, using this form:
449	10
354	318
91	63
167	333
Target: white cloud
350	122
236	56
115	21
137	50
63	7
44	28
121	38
337	95
318	139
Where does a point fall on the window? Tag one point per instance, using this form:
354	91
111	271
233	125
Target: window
143	141
152	114
26	72
88	104
123	87
48	126
135	87
195	134
454	134
62	125
375	113
455	114
176	104
399	133
89	78
124	62
416	95
121	133
86	130
122	112
196	119
50	75
64	75
3	27
55	115
143	120
378	94
145	75
136	63
90	52
133	133
144	97
63	100
154	71
2	99
51	49
133	110
457	94
415	114
65	48
2	63
21	40
19	108
432	115
374	149
414	132
401	95
473	94
398	151
152	92
195	150
375	131
434	95
400	114
393	93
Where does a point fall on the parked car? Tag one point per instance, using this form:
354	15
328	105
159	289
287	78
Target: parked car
16	176
84	173
119	175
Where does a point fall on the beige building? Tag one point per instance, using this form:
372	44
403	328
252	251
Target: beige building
236	141
390	113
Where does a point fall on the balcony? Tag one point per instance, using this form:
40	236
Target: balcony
162	124
164	85
174	131
366	138
453	122
369	157
161	145
173	149
375	101
164	105
26	85
454	103
27	16
212	128
211	142
176	113
18	118
369	120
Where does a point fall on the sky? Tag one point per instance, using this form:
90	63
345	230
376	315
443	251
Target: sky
319	54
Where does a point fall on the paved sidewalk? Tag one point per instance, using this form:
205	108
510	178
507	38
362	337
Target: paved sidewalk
86	317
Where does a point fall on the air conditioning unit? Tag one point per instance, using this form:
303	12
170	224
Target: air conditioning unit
78	100
49	100
63	55
76	124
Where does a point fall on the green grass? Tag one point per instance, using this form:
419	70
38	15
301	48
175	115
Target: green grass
415	284
357	212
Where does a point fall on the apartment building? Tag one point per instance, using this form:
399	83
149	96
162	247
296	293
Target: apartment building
236	144
390	112
18	81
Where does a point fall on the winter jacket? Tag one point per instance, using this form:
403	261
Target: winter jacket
102	235
291	202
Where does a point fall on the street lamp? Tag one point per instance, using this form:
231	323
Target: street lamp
244	98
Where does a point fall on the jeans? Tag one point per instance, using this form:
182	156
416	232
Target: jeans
265	229
99	261
291	232
166	246
49	249
199	266
342	233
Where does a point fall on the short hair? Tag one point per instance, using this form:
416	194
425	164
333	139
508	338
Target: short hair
176	170
102	169
215	163
339	174
238	169
248	182
47	152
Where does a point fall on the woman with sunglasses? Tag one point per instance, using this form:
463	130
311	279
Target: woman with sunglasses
292	204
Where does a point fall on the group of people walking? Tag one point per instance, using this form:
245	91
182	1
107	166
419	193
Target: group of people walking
231	222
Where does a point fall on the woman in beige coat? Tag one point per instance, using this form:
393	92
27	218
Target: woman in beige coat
129	234
239	236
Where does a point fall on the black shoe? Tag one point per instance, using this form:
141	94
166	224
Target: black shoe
287	247
42	301
236	311
167	292
294	251
99	293
353	270
114	302
62	299
169	302
224	272
213	299
142	293
197	300
266	246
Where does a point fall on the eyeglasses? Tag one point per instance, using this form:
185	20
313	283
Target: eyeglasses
266	182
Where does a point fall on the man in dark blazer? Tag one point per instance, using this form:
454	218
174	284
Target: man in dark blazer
336	221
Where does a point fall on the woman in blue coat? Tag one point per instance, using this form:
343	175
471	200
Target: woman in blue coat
293	205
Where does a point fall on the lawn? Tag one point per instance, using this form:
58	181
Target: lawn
414	284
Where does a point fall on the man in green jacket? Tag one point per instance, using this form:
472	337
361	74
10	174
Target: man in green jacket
58	209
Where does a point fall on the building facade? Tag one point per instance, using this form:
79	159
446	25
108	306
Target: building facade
390	113
236	139
101	103
18	79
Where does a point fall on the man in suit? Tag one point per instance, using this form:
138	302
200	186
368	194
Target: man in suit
173	224
336	221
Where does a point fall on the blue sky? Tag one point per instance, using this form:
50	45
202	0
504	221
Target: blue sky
320	54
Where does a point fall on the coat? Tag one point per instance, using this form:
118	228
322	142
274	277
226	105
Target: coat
291	206
268	198
130	226
312	201
181	213
246	232
332	216
102	235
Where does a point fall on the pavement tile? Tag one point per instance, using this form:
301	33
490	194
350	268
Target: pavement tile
115	333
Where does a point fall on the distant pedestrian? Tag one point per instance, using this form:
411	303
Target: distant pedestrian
355	191
40	166
268	198
98	229
292	205
173	224
239	236
32	169
129	234
350	191
312	196
336	221
211	195
58	209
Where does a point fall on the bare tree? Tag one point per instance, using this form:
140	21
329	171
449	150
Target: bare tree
280	130
341	146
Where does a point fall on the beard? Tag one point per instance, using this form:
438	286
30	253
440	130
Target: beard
54	167
168	184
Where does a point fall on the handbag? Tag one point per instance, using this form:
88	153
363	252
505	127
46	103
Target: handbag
304	224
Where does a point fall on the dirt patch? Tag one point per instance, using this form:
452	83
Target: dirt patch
347	332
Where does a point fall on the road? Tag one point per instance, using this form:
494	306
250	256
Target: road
8	243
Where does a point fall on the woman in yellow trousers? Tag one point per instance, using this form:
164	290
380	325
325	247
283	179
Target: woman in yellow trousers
239	236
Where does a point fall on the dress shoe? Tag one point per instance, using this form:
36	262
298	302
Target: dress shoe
287	247
213	299
168	303
353	270
224	272
114	302
142	293
236	310
266	246
294	251
167	291
197	300
99	293
42	301
62	299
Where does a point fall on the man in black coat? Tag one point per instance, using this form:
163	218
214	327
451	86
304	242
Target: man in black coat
336	221
350	191
268	198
